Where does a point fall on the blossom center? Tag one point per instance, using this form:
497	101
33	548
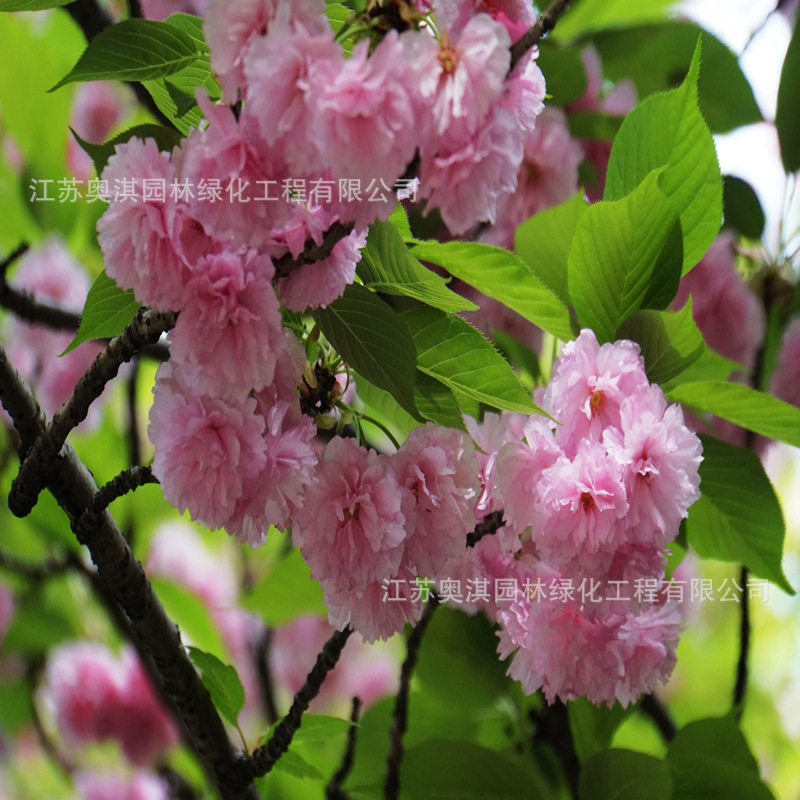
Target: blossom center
587	501
448	57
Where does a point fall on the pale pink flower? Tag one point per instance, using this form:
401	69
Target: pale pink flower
207	450
318	284
578	520
112	786
548	176
161	9
467	183
380	610
290	361
525	91
138	237
350	527
729	315
588	387
277	490
231	27
232	309
438	471
515	15
489	437
6	609
785	383
660	458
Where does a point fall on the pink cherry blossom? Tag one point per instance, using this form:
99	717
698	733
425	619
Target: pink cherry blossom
6	609
515	15
785	383
588	387
660	458
525	91
438	471
350	527
112	786
207	450
231	307
289	363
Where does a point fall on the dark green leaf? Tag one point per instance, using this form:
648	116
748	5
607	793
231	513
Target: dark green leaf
743	211
624	775
31	5
667	131
502	276
107	312
738	517
709	366
387	266
295	765
592	726
788	111
625	255
221	682
165	138
566	76
756	411
709	760
594	125
183	102
670	341
543	243
436	402
657	57
373	340
452	351
133	50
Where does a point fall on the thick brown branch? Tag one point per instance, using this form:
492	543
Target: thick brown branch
42	459
543	26
285	265
122	575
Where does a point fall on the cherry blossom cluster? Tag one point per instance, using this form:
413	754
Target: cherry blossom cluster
592	500
96	696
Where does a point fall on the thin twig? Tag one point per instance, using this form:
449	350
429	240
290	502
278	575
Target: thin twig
489	525
265	757
285	265
264	672
740	689
391	786
36	572
657	711
39	463
543	26
334	791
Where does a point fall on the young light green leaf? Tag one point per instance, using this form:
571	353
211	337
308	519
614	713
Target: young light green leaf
107	312
399	219
543	243
165	138
501	275
738	517
756	411
598	15
31	5
670	341
624	775
436	402
133	50
295	765
625	255
373	340
320	728
387	266
221	682
456	354
593	727
667	132
788	111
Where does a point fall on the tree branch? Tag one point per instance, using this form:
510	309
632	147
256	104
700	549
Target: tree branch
740	688
543	26
122	575
285	265
653	707
333	791
42	460
36	572
265	757
489	525
391	786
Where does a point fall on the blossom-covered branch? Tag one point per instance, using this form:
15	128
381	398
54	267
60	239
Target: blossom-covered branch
145	329
546	22
285	265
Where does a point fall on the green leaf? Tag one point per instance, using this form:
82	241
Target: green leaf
320	728
592	726
756	411
436	402
709	760
452	351
133	50
788	111
566	76
184	102
667	131
339	14
625	255
107	312
165	138
738	517
387	266
709	366
221	682
597	15
295	765
399	219
543	243
743	211
190	614
594	125
160	93
658	57
670	341
286	593
502	276
624	775
31	5
373	340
